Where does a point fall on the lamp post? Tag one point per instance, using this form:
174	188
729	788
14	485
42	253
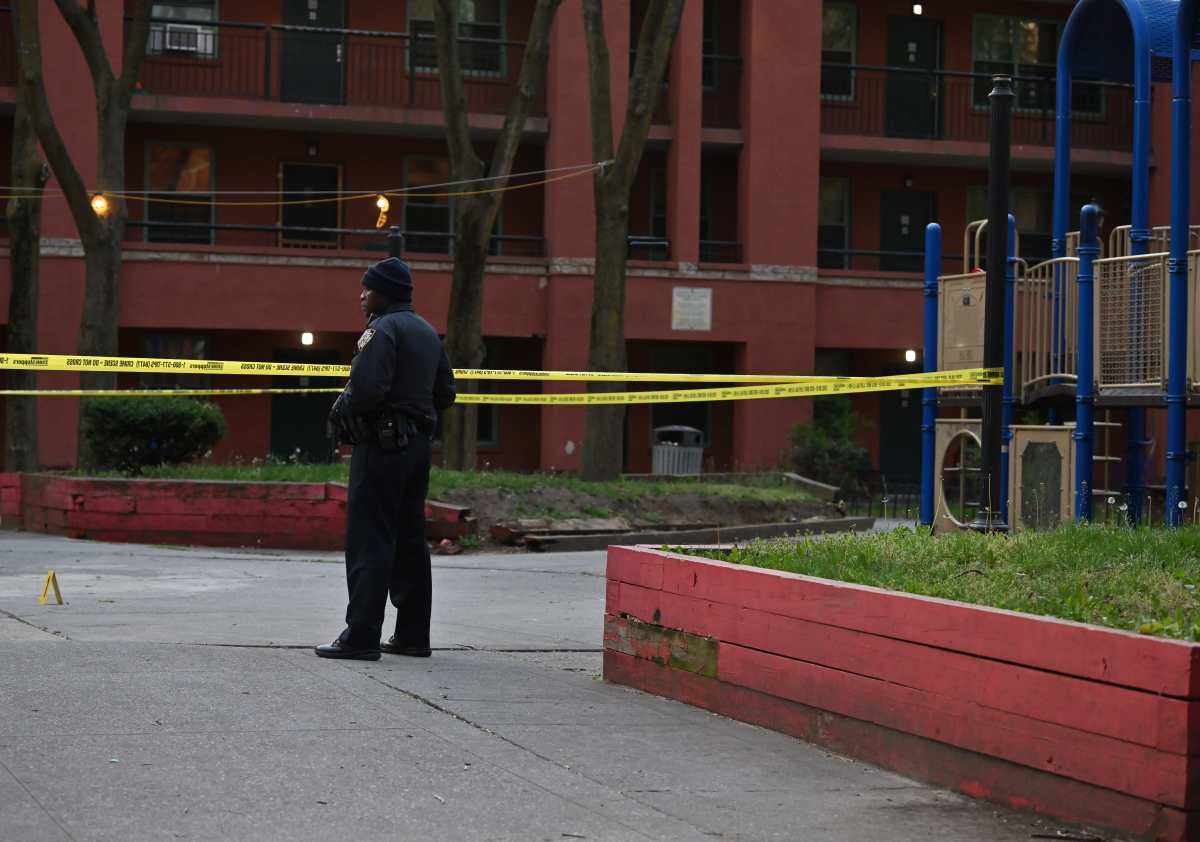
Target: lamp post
988	518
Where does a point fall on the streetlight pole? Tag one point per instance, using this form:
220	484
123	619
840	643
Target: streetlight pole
988	518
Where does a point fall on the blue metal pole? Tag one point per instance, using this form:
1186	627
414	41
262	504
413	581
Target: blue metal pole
1139	238
1008	405
1181	142
933	263
1089	250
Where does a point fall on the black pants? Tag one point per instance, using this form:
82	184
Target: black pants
386	551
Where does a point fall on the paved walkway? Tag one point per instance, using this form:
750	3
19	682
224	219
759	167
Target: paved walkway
175	696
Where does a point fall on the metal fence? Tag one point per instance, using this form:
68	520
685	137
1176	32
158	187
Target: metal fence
1131	311
952	105
324	66
1046	325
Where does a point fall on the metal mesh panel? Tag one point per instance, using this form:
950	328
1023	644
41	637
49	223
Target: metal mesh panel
1130	311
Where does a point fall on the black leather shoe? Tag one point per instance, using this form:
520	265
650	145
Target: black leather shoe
340	649
394	648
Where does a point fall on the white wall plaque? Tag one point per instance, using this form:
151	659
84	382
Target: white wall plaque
691	308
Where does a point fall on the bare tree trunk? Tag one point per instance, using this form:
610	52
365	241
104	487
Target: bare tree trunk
604	429
475	216
24	212
603	437
464	335
100	237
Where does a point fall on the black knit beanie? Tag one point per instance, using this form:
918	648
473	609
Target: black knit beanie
390	278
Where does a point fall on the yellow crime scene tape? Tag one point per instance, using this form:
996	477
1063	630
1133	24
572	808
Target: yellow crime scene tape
768	386
154	365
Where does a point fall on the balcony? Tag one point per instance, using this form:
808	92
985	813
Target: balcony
317	66
921	105
232	236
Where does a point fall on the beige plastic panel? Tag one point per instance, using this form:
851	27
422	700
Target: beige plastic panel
960	321
945	431
1026	441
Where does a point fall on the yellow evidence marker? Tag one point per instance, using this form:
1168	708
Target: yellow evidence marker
51	581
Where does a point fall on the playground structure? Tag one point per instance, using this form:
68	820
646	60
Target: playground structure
1098	328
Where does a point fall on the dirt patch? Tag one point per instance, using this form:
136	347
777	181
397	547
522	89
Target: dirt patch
679	509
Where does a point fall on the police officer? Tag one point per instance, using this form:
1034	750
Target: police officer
400	380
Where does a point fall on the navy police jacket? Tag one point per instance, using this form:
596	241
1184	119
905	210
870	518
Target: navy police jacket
400	366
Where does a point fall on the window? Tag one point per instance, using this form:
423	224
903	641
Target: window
1026	48
708	46
175	346
179	171
833	224
478	21
428	220
839	41
1033	209
177	29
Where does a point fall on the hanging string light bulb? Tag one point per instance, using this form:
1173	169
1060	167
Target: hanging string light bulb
100	205
381	202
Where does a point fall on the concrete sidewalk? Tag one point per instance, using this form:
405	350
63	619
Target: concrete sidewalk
175	697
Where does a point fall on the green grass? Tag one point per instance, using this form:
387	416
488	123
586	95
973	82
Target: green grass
1142	580
766	488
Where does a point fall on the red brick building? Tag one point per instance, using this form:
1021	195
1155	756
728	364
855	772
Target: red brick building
797	153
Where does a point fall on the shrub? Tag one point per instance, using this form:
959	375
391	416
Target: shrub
131	433
825	450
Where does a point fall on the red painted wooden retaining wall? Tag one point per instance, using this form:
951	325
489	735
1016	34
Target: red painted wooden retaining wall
222	514
10	501
1086	724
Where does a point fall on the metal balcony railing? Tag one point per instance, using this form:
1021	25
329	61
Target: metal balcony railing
720	251
300	237
647	248
952	105
321	66
876	260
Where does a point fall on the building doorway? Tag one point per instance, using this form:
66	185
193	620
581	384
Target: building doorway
903	215
900	437
298	421
913	98
309	181
313	54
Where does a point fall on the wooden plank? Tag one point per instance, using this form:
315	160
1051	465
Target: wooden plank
976	775
1103	761
631	564
1166	723
672	648
1158	665
579	543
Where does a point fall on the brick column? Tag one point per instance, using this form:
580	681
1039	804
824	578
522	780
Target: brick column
683	161
780	163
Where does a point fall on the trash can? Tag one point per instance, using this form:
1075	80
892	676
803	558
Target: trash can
677	451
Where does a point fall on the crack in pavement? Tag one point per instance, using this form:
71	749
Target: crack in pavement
519	746
36	801
23	621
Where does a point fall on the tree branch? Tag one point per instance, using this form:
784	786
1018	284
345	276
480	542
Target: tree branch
91	44
135	48
655	42
463	160
531	78
29	73
599	84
